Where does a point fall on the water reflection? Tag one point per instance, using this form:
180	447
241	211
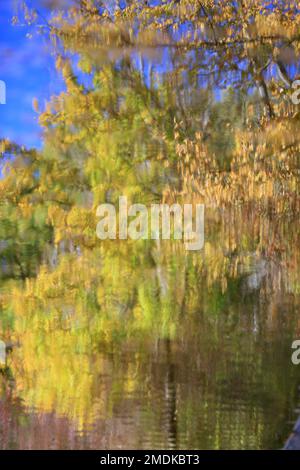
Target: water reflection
141	344
159	348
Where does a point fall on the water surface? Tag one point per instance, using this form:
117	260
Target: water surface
159	348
